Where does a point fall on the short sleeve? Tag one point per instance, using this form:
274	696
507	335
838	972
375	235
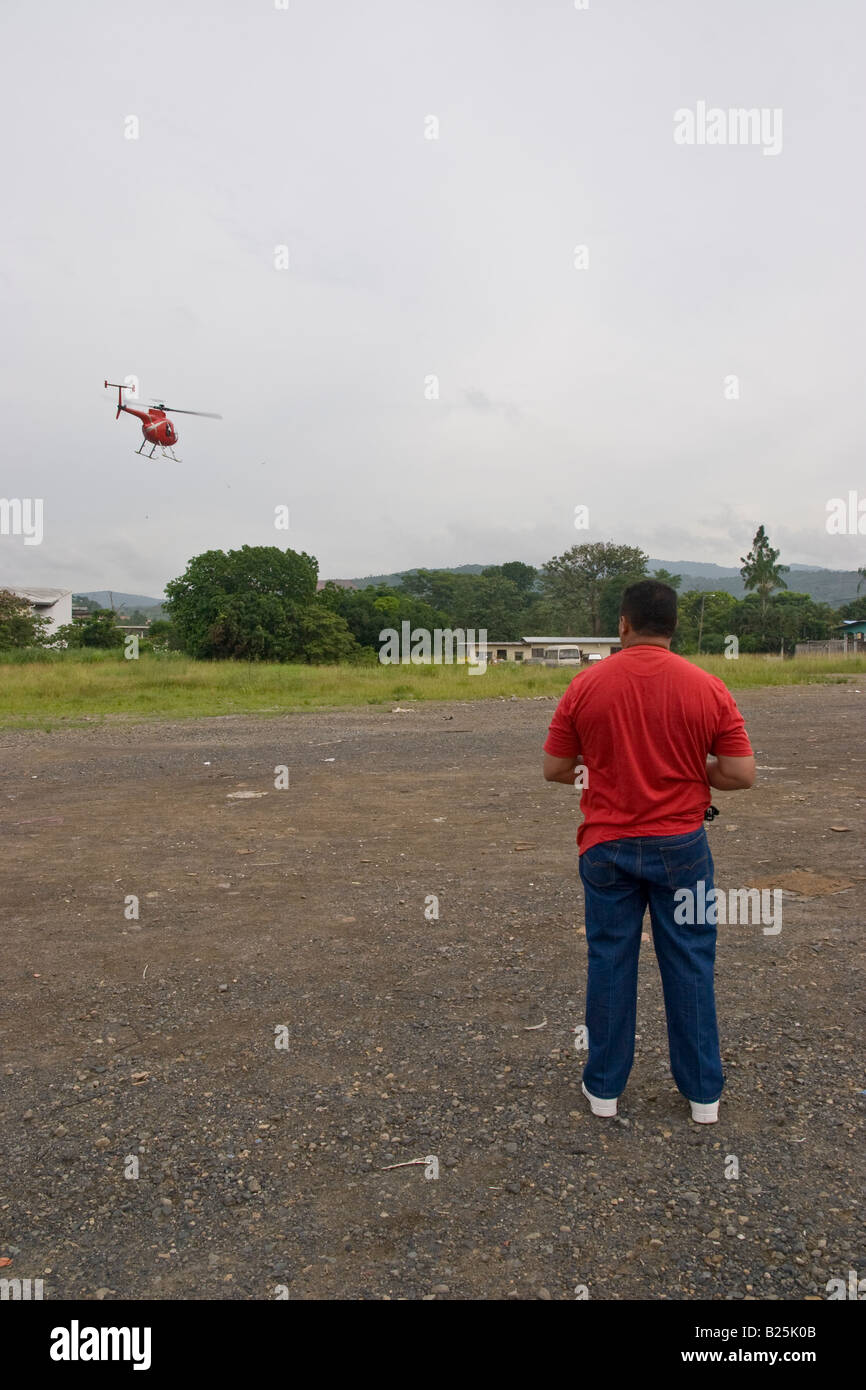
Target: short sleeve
562	740
731	739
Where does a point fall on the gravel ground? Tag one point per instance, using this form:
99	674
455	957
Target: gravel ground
149	1044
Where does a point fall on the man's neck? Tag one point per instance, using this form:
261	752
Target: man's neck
636	641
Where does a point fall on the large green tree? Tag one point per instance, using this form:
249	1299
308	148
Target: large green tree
575	582
255	604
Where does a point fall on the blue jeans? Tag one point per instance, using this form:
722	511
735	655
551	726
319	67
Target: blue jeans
620	879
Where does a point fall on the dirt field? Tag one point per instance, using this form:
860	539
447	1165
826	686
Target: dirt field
260	1167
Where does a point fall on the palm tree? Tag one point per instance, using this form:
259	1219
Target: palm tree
761	572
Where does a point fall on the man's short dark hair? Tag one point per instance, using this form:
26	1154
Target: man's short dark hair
651	608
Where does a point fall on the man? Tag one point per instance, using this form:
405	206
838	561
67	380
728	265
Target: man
640	725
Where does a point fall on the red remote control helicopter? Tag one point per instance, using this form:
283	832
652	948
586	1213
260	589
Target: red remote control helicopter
156	427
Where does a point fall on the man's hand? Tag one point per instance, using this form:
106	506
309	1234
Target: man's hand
560	769
731	774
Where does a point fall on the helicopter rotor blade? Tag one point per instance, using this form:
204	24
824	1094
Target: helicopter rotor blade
208	414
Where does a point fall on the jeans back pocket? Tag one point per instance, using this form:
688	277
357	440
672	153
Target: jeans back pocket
598	864
687	863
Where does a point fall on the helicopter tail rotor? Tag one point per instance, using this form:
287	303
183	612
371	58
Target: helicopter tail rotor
120	388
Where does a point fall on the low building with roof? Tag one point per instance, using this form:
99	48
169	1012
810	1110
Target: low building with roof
851	641
53	604
553	651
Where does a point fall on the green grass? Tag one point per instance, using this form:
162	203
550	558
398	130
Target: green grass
749	671
53	689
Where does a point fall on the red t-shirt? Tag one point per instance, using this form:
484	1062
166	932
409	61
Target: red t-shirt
643	721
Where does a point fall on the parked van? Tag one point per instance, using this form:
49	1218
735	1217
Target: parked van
563	656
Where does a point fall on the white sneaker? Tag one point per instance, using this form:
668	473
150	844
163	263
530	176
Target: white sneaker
704	1114
607	1108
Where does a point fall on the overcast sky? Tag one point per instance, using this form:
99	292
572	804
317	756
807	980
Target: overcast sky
410	257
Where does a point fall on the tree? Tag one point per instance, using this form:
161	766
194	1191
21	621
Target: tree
368	611
496	604
20	626
254	604
574	581
325	637
101	630
439	588
524	576
760	571
665	577
488	600
162	636
801	619
855	610
788	618
705	619
98	630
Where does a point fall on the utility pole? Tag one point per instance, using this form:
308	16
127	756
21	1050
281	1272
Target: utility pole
701	624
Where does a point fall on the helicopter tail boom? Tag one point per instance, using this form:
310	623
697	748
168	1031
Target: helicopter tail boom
120	389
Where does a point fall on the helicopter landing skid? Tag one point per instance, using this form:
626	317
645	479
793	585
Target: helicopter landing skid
166	453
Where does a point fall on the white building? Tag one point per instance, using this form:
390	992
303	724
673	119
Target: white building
553	651
53	604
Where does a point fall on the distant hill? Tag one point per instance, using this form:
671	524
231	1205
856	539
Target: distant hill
104	598
824	586
700	567
393	580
